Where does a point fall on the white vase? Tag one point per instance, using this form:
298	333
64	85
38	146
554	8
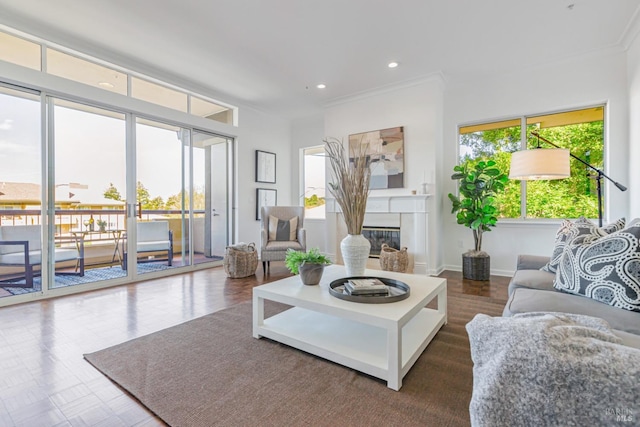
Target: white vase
355	252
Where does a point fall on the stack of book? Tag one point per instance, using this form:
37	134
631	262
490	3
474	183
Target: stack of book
368	287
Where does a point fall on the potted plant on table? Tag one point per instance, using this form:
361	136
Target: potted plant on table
476	208
102	225
310	264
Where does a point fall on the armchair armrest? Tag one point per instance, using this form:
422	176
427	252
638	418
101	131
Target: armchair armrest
24	243
531	262
25	246
302	238
264	238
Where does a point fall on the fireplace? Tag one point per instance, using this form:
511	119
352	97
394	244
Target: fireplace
407	213
379	235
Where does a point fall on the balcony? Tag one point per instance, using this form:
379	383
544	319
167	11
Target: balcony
104	247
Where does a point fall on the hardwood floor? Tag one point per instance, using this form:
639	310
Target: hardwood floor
44	380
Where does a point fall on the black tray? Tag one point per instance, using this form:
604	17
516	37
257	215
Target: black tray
397	291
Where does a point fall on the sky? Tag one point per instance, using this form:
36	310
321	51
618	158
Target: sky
89	150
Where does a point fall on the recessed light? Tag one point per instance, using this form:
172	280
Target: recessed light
321	86
392	64
106	84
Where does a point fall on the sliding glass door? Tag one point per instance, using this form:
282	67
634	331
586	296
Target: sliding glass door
183	191
210	196
161	206
20	186
70	187
88	193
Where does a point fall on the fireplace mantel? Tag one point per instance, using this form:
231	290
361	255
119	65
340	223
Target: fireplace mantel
410	212
413	203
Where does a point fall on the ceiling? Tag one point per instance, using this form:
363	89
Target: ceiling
272	54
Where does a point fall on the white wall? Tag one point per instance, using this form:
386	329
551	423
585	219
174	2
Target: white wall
633	61
417	107
261	131
569	84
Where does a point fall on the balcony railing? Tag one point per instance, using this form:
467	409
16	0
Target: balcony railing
99	245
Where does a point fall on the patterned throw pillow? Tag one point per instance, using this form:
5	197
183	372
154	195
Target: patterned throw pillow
606	270
280	230
580	231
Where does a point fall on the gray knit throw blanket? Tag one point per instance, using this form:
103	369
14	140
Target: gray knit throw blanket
552	369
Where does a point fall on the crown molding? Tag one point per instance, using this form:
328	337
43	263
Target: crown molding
631	31
437	77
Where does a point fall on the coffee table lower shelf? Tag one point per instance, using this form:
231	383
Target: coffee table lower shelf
360	346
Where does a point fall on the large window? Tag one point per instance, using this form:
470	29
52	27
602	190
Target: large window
73	65
581	131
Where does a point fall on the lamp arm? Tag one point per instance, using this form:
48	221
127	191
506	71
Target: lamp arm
599	171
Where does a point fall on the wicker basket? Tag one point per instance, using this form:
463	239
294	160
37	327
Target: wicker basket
240	261
392	259
476	267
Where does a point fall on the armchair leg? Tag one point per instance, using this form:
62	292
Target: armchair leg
264	267
28	275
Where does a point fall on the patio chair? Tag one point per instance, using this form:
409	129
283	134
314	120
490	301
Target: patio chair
153	236
281	229
20	245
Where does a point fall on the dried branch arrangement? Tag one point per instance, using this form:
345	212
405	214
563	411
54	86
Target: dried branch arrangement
351	186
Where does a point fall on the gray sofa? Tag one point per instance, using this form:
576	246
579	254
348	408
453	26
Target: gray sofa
531	290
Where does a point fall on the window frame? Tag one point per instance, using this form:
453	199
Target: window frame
523	146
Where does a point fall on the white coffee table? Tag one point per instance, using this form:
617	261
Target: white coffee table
382	340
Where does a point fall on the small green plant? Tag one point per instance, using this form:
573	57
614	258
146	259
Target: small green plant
101	223
294	258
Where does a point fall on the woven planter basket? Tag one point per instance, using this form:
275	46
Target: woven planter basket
392	259
476	267
240	262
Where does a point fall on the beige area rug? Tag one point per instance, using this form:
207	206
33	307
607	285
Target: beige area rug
210	371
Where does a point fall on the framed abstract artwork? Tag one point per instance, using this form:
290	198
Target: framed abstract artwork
265	197
265	167
386	148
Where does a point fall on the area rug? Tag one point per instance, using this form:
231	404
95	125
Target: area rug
90	275
211	371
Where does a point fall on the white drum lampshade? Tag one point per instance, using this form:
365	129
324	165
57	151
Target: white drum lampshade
540	163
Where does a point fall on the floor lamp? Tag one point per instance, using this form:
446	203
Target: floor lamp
552	163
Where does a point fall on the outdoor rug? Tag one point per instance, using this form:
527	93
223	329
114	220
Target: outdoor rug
211	371
90	275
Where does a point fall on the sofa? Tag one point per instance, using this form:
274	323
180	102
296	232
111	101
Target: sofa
554	358
531	290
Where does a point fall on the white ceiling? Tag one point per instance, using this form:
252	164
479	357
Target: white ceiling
271	54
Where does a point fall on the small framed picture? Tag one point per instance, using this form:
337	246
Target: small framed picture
265	167
265	197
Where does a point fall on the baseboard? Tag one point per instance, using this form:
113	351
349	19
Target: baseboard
494	272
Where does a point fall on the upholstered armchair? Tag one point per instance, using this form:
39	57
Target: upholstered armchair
153	236
281	229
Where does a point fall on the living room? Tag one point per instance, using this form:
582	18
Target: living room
590	69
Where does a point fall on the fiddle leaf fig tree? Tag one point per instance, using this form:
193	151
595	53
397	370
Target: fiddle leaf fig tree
476	206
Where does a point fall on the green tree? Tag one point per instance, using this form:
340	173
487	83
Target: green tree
313	201
112	193
566	198
145	199
174	202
